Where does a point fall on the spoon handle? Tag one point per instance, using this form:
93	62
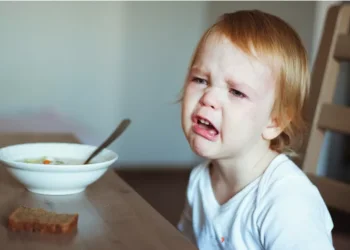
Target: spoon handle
117	132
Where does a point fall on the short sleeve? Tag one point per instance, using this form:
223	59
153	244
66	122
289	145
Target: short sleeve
185	223
293	216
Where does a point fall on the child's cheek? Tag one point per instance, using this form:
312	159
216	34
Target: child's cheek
195	89
191	90
244	111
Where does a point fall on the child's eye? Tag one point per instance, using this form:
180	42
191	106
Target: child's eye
199	80
237	93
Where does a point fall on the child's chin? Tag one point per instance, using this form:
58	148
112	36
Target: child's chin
203	151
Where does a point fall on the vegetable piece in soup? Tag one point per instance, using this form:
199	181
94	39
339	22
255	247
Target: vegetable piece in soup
52	161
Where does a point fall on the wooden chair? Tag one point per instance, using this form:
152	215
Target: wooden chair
323	113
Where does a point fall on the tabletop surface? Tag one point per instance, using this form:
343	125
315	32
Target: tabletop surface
111	214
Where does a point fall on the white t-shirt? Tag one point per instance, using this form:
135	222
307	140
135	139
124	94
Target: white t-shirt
281	210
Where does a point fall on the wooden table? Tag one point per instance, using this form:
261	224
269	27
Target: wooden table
111	214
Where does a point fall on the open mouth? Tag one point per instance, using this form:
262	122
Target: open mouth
207	125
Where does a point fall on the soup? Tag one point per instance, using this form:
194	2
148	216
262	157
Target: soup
53	161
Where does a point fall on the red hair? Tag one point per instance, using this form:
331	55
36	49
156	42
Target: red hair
269	38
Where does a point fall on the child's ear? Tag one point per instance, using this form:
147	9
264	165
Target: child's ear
272	130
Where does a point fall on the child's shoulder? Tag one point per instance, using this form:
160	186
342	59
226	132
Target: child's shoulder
287	199
286	191
197	174
283	176
198	171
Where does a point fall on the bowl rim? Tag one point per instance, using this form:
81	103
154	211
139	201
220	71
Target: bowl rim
8	163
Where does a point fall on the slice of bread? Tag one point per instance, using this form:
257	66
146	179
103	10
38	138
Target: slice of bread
40	220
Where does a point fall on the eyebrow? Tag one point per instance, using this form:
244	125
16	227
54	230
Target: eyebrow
199	70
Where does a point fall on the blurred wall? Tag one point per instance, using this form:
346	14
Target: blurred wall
94	63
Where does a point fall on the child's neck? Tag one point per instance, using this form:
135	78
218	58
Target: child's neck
229	176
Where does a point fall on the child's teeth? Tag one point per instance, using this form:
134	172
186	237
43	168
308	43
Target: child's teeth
204	122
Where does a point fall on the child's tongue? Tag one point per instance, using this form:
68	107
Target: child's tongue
211	130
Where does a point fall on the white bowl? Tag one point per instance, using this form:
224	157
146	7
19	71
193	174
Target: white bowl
55	179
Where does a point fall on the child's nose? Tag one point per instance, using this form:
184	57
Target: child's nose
210	98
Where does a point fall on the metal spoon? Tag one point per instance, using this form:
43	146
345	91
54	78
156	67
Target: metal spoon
117	132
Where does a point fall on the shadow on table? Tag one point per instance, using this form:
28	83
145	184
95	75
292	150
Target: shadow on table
164	188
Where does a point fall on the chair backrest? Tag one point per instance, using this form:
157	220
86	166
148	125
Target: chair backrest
322	113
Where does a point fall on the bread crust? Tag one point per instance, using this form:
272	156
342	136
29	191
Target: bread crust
40	220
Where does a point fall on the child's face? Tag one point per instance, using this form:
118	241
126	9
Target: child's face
234	94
